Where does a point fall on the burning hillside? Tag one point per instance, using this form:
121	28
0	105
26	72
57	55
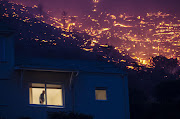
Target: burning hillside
138	37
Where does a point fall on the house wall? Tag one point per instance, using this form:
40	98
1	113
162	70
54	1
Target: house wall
5	91
6	66
115	107
15	101
6	72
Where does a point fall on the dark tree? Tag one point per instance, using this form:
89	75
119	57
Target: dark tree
68	115
137	100
169	65
168	92
24	118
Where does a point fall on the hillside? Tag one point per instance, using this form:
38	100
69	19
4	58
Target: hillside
35	37
118	38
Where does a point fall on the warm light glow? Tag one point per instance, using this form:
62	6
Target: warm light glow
53	94
54	97
121	25
100	94
96	1
35	94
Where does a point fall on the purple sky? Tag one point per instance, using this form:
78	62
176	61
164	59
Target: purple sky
77	7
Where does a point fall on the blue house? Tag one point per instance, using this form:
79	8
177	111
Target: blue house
90	87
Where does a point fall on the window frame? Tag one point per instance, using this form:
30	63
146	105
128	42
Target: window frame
101	88
45	105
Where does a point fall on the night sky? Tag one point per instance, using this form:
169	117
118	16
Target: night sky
81	7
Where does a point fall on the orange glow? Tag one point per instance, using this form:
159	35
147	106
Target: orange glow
96	1
138	37
121	25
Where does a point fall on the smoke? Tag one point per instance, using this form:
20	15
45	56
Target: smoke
77	7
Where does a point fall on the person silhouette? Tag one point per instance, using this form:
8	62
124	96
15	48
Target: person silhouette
41	97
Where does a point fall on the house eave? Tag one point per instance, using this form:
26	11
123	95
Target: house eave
116	73
42	69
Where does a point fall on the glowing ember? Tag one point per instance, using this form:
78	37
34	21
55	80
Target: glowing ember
95	1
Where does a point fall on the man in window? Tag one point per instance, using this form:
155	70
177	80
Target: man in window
41	98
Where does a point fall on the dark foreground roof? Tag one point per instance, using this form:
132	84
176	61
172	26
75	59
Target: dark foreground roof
65	65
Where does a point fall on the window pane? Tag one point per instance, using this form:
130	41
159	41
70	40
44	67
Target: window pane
35	94
53	86
38	85
100	94
54	97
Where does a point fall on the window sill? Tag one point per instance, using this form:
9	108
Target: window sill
46	106
102	100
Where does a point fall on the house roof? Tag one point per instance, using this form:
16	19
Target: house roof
64	65
41	59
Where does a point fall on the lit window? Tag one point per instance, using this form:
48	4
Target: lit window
100	94
46	94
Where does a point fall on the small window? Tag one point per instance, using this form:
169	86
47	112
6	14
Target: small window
46	94
100	94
